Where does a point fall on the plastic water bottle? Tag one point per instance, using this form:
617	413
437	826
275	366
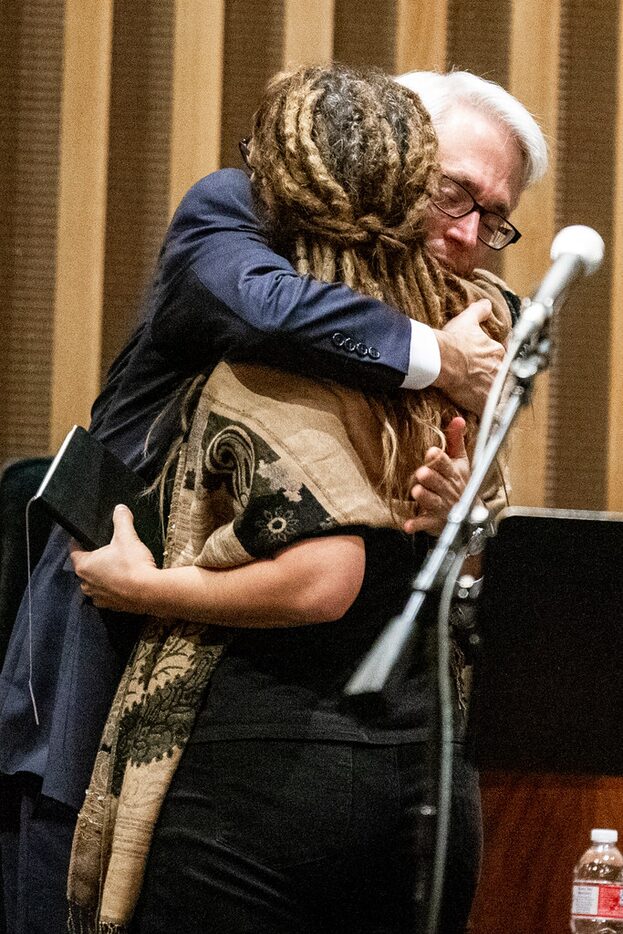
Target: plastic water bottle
597	903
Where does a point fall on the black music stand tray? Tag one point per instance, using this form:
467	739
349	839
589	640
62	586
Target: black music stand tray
547	690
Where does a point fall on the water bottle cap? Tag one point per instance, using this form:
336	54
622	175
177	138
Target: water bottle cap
599	835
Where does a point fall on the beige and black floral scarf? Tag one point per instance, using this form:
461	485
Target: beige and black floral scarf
270	458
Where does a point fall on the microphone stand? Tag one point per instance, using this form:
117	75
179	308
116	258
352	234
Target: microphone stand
429	604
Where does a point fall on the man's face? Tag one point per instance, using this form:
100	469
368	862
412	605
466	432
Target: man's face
479	153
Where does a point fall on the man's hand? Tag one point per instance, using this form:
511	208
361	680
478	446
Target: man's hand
440	481
113	576
470	358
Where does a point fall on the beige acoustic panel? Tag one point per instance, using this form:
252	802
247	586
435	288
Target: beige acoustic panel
31	55
196	93
615	445
421	35
533	72
579	384
81	213
365	33
253	53
307	32
137	193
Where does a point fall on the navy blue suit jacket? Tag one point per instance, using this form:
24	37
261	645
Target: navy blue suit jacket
219	291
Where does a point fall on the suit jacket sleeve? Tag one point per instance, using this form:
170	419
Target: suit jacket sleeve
221	292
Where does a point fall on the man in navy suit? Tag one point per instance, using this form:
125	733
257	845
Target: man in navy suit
220	291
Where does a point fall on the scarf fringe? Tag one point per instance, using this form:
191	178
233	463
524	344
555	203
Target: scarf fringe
84	921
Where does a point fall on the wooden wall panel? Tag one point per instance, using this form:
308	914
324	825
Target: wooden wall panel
31	56
253	53
307	32
585	183
196	94
365	33
81	213
479	37
137	196
533	71
421	35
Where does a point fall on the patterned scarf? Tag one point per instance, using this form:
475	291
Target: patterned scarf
242	490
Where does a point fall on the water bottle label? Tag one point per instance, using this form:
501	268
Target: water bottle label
603	900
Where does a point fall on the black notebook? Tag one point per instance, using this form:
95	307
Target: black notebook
84	484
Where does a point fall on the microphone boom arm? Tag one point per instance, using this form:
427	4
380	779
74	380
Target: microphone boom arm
390	654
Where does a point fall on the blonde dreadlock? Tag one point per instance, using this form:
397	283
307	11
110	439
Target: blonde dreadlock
345	162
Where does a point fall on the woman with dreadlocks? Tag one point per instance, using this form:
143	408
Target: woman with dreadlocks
290	809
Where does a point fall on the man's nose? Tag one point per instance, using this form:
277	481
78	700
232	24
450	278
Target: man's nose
466	228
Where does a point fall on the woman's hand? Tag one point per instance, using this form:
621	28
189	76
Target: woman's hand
311	581
114	576
440	481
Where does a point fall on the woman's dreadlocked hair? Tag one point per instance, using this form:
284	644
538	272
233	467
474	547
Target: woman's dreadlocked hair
345	163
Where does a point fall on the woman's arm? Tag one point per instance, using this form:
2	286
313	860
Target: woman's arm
312	581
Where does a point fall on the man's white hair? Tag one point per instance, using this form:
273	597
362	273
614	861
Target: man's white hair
440	92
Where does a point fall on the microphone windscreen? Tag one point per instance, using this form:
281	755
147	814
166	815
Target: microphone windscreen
581	241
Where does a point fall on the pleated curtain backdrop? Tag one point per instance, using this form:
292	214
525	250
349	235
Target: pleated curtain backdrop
112	108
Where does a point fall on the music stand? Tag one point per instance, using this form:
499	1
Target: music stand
547	691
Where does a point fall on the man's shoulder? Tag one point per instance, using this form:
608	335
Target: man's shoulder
223	188
216	205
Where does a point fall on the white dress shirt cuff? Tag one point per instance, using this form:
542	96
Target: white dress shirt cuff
424	357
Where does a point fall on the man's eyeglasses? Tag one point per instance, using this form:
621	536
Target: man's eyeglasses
243	146
455	201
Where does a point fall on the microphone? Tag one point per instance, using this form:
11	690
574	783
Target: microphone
576	251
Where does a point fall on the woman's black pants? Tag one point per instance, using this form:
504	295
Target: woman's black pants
299	837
